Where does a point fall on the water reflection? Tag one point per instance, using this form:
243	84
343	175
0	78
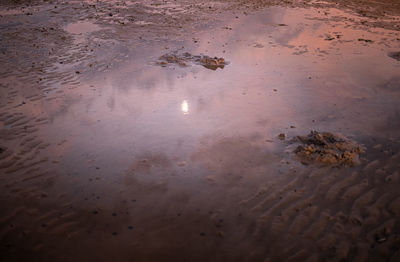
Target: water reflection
287	79
185	107
81	27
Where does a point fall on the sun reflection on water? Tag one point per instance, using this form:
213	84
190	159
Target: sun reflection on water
185	107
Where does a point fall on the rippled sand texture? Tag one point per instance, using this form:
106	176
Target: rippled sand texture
108	154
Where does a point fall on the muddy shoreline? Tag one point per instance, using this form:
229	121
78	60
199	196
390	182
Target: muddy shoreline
117	141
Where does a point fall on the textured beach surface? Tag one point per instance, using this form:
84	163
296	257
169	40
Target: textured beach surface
184	130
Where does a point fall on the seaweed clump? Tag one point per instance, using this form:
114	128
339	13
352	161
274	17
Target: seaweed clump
328	149
186	58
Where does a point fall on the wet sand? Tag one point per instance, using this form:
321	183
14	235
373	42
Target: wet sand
106	154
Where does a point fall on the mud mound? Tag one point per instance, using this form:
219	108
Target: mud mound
186	59
327	148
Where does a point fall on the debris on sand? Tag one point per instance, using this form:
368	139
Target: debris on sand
211	63
395	55
174	59
186	58
329	38
327	148
365	40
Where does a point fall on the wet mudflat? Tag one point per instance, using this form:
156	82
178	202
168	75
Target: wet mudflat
117	141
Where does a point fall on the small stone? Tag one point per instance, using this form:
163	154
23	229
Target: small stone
395	55
365	40
282	136
381	240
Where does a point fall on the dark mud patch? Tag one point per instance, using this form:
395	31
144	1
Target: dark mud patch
186	59
19	2
328	149
395	55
